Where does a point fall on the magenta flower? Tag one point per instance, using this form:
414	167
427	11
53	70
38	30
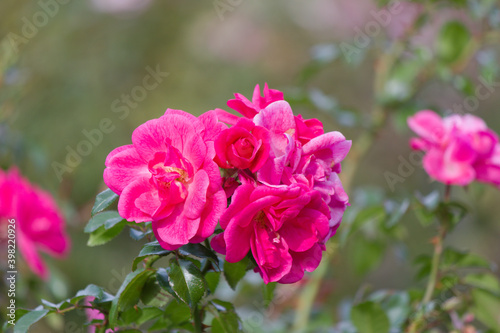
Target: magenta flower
242	146
312	159
459	149
39	224
248	108
284	228
168	176
307	129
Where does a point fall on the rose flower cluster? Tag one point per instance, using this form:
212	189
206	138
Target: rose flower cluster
277	171
459	149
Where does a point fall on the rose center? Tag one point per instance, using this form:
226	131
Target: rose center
244	148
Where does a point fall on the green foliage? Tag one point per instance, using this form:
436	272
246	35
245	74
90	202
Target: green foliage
268	292
212	279
368	317
452	41
225	318
367	255
129	293
234	272
24	323
199	251
105	219
103	201
186	281
102	235
486	308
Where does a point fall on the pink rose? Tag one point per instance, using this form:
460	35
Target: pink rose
168	176
307	129
248	108
242	146
315	163
459	149
39	224
283	227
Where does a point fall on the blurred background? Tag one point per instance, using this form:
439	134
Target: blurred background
68	66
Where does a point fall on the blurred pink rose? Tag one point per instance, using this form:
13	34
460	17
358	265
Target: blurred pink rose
39	223
459	149
94	314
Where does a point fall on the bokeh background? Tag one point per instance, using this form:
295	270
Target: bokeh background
63	77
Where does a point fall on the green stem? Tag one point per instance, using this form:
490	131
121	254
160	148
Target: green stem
197	316
438	250
436	259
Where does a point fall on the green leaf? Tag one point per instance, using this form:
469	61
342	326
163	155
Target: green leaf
226	320
103	200
368	216
102	235
106	219
138	260
452	41
486	308
23	323
268	292
397	306
178	313
199	251
234	272
138	234
130	316
368	317
451	213
485	281
163	281
129	293
425	263
397	212
186	280
148	314
367	255
153	248
150	294
212	279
